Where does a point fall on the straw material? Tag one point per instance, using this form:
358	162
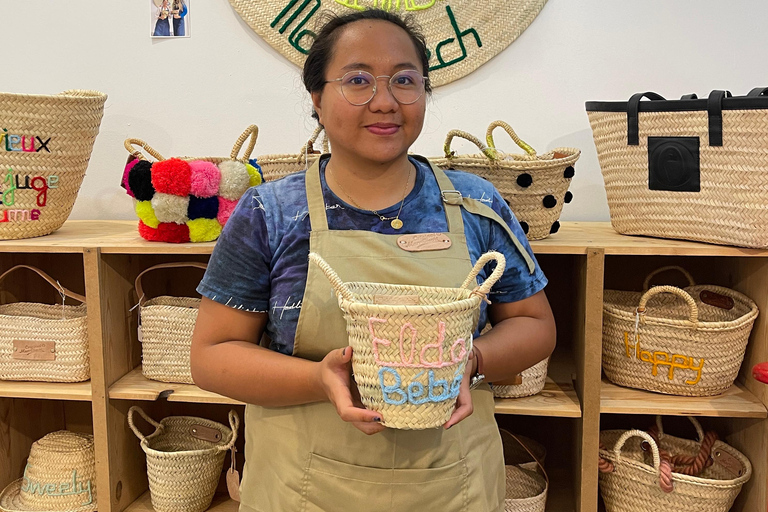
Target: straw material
533	382
522	451
435	341
183	466
526	489
534	185
461	36
279	166
64	460
68	122
675	343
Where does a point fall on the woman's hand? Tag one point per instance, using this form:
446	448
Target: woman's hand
464	407
334	376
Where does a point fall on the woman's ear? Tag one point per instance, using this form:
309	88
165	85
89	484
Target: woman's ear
316	97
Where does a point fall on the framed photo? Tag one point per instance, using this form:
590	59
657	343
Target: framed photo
169	18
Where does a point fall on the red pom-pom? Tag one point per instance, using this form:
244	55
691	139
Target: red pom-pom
147	233
172	176
165	232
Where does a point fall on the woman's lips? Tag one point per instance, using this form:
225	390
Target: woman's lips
383	128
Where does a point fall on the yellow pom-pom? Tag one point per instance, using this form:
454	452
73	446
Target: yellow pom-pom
254	174
204	230
146	213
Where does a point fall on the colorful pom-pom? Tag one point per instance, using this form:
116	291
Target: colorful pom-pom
235	179
133	161
172	176
204	230
146	213
255	175
170	208
140	181
226	207
203	208
205	179
165	232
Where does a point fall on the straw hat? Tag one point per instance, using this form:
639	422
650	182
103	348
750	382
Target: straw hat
461	36
60	476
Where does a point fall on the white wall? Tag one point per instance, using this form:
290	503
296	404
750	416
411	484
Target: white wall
194	96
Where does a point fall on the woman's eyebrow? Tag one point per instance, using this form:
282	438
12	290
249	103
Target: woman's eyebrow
354	66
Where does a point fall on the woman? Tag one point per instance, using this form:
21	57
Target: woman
179	11
310	445
162	25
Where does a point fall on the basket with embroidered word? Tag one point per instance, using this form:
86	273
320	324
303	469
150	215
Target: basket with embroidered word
529	382
274	167
414	386
187	199
526	483
185	457
681	341
534	186
165	330
44	342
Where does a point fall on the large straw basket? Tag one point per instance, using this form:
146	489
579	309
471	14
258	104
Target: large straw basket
165	331
185	457
535	186
526	489
681	341
635	478
691	168
277	166
409	360
44	151
44	342
531	382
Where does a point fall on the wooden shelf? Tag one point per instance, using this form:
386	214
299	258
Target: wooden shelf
221	503
135	386
78	391
557	399
737	402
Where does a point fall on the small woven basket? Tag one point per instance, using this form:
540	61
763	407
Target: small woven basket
414	386
277	166
185	458
526	489
535	186
532	382
522	451
44	151
44	342
165	331
680	341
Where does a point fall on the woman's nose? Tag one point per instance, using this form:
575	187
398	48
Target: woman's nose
383	100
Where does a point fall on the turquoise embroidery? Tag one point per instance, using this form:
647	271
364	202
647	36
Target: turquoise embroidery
296	36
39	184
69	488
437	390
459	37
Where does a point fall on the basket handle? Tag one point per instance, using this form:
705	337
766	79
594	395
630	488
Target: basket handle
49	279
501	264
135	409
507	433
664	470
191	264
694	421
693	316
252	133
309	146
130	143
757	92
489	153
501	124
338	285
688	276
633	120
686	464
234	424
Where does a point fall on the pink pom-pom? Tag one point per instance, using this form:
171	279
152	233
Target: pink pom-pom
127	170
205	179
226	207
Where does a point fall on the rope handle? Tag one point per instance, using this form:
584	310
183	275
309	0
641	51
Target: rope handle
49	279
687	464
130	143
501	124
663	467
132	424
485	287
688	276
309	146
252	133
489	153
507	433
190	264
693	316
234	424
338	285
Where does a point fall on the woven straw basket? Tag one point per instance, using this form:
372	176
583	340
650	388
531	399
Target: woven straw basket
522	451
535	186
633	479
44	151
526	489
681	341
277	166
165	331
44	342
185	457
532	382
692	168
412	387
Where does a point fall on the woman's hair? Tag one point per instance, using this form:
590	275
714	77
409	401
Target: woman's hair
321	51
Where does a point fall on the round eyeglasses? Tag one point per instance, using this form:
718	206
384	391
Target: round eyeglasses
359	87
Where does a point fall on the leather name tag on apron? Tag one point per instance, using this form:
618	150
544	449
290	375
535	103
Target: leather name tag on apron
29	350
397	300
716	299
205	433
421	242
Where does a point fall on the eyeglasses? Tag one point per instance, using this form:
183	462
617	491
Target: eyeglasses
359	87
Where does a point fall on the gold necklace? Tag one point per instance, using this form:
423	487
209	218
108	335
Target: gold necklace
396	222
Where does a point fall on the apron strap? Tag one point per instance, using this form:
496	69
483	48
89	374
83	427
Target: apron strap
451	199
318	219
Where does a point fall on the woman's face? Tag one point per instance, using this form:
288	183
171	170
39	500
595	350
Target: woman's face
381	130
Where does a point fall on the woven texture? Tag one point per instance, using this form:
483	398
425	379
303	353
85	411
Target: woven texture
533	382
460	37
279	166
45	147
435	341
184	470
526	480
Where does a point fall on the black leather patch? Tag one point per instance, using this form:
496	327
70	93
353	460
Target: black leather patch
673	164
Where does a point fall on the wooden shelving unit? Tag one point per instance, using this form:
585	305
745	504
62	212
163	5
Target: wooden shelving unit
102	259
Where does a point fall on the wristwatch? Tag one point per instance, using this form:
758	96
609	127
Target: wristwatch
478	377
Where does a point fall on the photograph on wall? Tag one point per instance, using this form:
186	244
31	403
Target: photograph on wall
169	18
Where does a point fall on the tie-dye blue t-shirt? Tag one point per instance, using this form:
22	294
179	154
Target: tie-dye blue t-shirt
261	259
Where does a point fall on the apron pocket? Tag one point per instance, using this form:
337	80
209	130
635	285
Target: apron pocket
333	486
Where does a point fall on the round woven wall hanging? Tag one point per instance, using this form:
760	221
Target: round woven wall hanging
461	35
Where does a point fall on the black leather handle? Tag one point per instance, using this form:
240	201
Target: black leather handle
692	96
758	91
633	107
715	113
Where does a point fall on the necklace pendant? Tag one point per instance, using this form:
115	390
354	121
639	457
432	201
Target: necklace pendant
396	224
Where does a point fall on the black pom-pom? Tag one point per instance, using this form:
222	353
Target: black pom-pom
524	180
568	197
569	172
140	181
549	201
525	227
203	208
555	227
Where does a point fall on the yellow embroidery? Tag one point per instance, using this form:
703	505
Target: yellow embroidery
658	358
408	5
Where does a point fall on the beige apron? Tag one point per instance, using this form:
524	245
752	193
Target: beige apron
306	459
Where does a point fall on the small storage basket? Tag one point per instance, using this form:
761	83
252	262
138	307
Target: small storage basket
680	341
185	458
44	342
522	451
534	186
409	360
277	166
165	331
526	484
44	150
531	382
636	474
